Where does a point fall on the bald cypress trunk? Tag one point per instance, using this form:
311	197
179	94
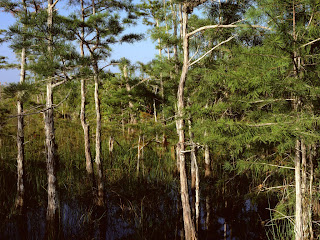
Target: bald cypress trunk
195	177
298	228
100	200
298	207
53	203
20	134
85	125
100	178
189	228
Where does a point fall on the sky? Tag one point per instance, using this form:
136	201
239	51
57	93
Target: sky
143	51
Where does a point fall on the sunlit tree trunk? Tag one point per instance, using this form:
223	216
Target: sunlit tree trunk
139	155
304	191
100	183
298	207
20	134
312	157
298	228
195	178
189	228
111	142
53	202
85	125
128	88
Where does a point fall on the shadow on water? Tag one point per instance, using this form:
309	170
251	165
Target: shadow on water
136	208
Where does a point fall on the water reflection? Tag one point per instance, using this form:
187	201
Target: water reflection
135	209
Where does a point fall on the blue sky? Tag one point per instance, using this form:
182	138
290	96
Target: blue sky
143	51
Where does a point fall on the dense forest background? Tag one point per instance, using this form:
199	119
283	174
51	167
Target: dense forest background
216	138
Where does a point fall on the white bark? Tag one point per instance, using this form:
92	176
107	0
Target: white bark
20	134
53	203
298	207
189	228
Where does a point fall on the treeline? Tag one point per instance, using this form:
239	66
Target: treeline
233	90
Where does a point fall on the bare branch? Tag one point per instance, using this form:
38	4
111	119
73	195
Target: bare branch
146	79
60	83
225	26
43	110
229	39
54	4
309	43
194	54
273	165
110	64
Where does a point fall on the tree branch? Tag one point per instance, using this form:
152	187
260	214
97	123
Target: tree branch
224	26
273	165
55	3
43	110
309	43
229	39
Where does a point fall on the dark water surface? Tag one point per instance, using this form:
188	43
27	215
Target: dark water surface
135	209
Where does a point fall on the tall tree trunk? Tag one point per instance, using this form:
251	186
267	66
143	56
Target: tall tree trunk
304	191
85	125
111	142
298	208
128	88
312	157
100	200
189	228
20	134
195	178
53	202
207	160
298	228
140	155
100	183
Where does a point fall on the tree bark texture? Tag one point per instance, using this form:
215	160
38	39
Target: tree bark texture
20	158
298	208
111	144
304	191
207	161
139	155
100	178
85	125
53	202
100	200
195	177
189	228
20	134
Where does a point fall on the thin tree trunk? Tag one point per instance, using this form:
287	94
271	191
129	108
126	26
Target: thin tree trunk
20	135
311	159
298	208
298	228
181	20
128	88
178	157
100	200
195	178
20	159
142	157
111	142
100	183
53	205
189	228
207	160
139	155
304	192
85	125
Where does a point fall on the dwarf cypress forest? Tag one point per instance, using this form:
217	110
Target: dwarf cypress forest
215	138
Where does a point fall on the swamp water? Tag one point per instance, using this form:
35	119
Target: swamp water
136	208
